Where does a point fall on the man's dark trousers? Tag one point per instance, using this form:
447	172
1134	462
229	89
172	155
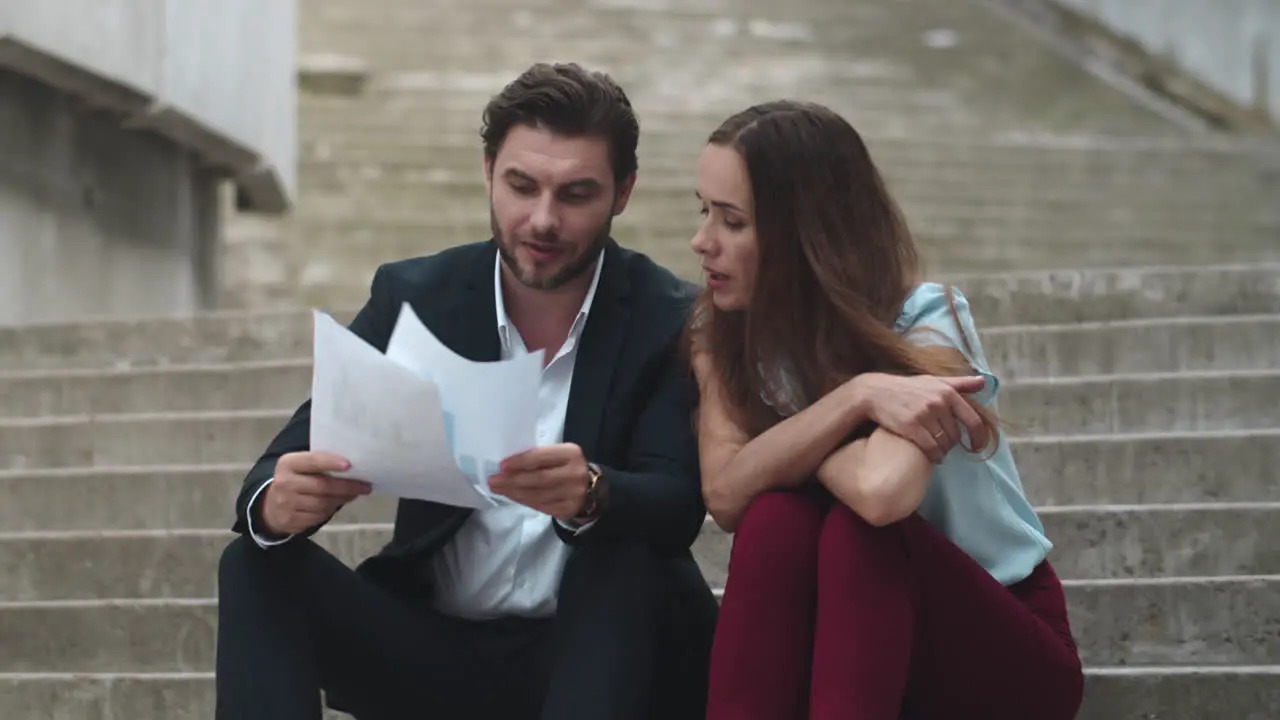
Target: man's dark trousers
630	639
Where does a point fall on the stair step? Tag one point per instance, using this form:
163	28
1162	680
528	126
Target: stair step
957	84
1124	693
1145	318
1090	543
1177	621
154	497
1181	693
1172	402
1249	693
1186	344
111	696
1180	621
922	180
664	150
959	187
1184	401
337	251
1113	207
240	436
949	250
178	497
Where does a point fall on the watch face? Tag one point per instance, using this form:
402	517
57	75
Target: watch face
599	489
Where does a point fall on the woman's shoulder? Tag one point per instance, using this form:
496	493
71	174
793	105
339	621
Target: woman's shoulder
930	317
927	305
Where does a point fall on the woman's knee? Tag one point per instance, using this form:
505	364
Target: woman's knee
779	524
845	532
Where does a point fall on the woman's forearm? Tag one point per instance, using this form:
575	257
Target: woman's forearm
882	478
783	456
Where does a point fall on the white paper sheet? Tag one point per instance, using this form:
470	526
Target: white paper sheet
386	419
490	408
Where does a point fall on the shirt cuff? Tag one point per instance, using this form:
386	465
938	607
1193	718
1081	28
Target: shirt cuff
574	527
263	542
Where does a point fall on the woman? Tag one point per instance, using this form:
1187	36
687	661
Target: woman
886	562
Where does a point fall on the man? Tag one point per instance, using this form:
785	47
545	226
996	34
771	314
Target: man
577	596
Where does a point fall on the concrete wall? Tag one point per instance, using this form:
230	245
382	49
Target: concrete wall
1232	46
120	123
96	220
216	76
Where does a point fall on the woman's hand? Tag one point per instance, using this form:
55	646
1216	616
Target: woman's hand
927	410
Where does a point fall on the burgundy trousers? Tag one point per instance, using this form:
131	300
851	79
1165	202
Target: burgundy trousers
827	617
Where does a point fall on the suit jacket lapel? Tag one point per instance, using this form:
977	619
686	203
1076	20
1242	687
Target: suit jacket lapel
598	351
468	322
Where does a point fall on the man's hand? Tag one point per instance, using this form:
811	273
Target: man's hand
551	479
925	409
303	495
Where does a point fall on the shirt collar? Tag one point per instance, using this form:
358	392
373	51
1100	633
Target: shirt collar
504	322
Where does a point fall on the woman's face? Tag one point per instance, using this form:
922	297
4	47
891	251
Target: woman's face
726	240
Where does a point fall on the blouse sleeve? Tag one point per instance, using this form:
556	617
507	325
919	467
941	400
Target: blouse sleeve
927	320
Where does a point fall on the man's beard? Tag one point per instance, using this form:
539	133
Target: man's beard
570	272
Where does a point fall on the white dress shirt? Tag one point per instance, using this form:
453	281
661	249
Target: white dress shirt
507	559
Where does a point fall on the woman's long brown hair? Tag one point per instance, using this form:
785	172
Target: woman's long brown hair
836	264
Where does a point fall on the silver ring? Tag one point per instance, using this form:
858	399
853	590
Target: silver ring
939	434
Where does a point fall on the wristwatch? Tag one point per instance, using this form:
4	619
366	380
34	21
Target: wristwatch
594	501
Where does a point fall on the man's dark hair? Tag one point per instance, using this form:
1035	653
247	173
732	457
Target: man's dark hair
568	100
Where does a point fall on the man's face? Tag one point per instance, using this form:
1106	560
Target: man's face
551	203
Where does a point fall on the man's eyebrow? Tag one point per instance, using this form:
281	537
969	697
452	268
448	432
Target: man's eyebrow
582	184
587	183
516	174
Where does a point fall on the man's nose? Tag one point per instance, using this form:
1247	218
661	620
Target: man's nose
546	217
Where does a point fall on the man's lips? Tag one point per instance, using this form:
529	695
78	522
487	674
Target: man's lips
542	251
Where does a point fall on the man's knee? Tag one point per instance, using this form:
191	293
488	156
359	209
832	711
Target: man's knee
246	565
632	564
240	557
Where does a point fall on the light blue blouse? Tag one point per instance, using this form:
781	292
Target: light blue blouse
979	504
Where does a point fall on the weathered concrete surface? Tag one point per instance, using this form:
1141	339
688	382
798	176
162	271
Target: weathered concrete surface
1246	693
1179	621
1104	207
1090	543
1216	46
95	220
952	73
1105	321
1184	401
952	59
234	436
179	497
215	78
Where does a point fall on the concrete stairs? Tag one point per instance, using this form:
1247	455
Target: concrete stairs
1004	155
1149	440
921	63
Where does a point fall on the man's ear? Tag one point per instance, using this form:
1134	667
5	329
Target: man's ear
623	195
488	175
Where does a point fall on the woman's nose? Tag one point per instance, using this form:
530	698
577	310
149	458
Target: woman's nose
700	242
